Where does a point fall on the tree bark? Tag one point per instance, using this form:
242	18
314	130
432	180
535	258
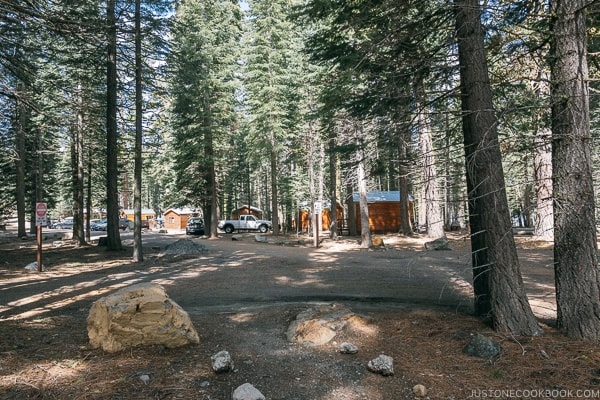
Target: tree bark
497	278
112	150
575	244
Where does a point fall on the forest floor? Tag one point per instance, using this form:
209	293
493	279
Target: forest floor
242	295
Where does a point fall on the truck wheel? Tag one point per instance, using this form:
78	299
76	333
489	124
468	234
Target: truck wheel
263	229
228	229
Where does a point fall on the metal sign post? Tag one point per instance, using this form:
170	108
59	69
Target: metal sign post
40	220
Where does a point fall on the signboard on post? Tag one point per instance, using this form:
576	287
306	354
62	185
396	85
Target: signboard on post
40	214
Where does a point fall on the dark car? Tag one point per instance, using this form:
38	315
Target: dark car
195	226
125	224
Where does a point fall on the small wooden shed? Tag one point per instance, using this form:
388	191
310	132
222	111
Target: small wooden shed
176	218
384	211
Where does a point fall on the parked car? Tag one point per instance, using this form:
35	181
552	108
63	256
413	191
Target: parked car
125	224
66	224
99	226
194	226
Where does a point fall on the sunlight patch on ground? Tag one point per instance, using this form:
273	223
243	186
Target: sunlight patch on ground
65	302
309	280
242	317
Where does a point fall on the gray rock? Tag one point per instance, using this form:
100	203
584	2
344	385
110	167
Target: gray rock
482	346
438	244
184	247
221	362
247	392
383	365
348	348
141	314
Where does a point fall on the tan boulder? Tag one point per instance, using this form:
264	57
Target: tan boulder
141	314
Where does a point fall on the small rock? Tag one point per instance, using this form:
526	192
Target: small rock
420	390
260	238
348	348
438	244
383	365
221	362
247	392
204	384
482	346
34	266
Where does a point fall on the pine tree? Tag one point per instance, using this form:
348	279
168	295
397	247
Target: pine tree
575	245
497	279
205	37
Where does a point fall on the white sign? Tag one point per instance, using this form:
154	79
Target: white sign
317	207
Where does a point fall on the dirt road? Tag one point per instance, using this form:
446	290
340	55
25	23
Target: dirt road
241	296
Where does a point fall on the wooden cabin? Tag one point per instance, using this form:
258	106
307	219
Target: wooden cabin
247	210
148	216
176	218
384	211
303	217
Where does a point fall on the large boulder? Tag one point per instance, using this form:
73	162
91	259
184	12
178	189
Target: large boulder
141	314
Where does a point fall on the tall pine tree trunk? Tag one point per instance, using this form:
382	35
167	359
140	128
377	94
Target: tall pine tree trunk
112	150
433	213
405	223
542	166
77	175
365	229
21	112
575	243
333	227
498	285
274	189
138	255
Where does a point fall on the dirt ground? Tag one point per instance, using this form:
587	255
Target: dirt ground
242	295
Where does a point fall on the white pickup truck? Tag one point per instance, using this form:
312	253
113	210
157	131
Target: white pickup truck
245	223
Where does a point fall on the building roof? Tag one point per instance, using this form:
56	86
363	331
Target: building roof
255	209
381	196
144	211
182	211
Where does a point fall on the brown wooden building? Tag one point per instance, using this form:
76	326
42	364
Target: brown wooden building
384	211
247	210
176	218
303	218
